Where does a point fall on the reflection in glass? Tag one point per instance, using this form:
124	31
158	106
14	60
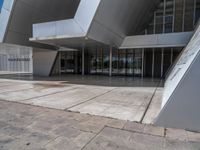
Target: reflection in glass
130	62
106	61
99	61
67	62
122	62
138	63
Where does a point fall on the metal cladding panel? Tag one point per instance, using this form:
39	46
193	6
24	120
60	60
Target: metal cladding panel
71	28
116	19
27	12
180	106
180	39
85	13
104	21
4	17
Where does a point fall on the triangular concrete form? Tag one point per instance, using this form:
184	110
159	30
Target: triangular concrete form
181	99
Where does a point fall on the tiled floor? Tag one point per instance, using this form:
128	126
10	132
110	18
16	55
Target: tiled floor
116	97
25	127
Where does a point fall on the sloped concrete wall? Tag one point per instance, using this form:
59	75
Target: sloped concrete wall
181	100
43	61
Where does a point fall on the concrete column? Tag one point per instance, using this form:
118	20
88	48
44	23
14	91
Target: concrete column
110	66
83	61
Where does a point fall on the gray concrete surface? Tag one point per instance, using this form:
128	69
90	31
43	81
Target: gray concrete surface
117	97
26	127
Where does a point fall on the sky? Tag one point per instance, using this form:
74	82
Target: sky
1	3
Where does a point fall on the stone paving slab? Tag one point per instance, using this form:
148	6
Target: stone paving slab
70	98
6	90
119	98
154	108
121	103
25	127
26	93
115	139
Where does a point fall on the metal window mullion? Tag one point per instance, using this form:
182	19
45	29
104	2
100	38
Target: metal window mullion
143	62
174	10
162	62
164	13
171	56
83	61
153	61
194	15
183	23
154	26
110	66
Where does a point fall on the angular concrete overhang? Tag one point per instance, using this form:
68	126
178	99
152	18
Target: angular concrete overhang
157	40
18	16
105	22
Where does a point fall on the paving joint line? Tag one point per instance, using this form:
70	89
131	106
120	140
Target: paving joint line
147	108
93	138
16	90
67	109
47	94
122	129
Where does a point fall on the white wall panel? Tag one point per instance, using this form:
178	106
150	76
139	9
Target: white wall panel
16	58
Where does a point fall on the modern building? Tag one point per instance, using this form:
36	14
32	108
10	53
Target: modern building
136	38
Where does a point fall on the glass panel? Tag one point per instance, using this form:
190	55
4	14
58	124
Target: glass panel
189	15
106	61
67	62
122	62
99	61
130	62
148	58
138	62
93	61
168	24
115	62
167	60
157	63
197	13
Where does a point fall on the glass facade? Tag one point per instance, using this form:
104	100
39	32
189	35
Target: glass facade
170	16
125	62
174	16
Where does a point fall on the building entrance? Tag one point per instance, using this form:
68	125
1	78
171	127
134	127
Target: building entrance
70	62
131	62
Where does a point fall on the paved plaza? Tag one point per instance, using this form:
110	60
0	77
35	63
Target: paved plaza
122	98
85	113
25	127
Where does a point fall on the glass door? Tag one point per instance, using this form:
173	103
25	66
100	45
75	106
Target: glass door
130	63
138	63
122	62
67	62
